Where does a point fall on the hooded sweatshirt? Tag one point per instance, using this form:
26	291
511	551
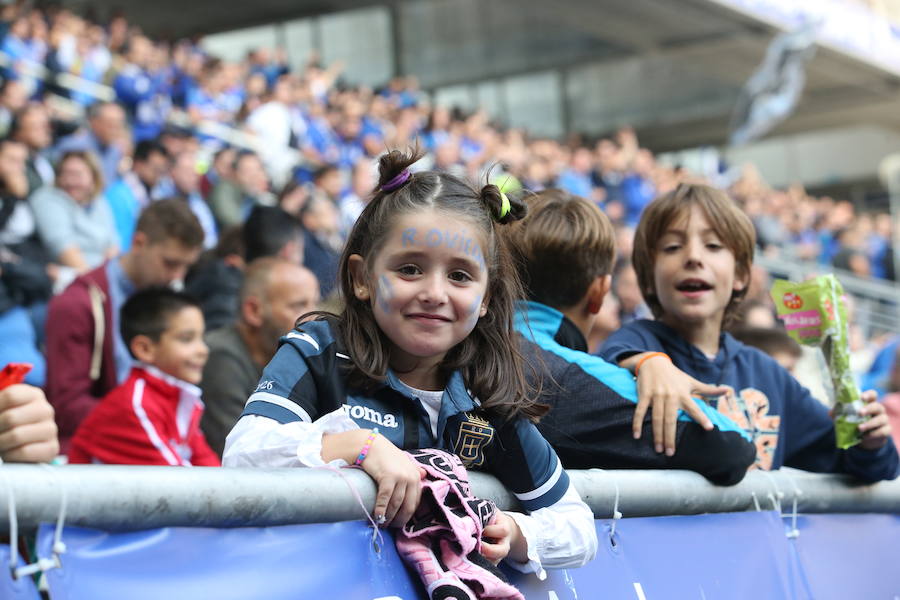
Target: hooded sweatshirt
789	426
592	406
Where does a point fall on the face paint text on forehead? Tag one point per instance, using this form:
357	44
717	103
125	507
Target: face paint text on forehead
460	240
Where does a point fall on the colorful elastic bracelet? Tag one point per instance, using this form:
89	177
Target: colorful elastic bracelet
366	447
637	367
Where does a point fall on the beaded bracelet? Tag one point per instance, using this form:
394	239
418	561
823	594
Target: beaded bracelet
647	357
366	447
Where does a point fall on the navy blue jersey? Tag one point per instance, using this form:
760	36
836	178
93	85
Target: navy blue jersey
307	379
789	426
592	408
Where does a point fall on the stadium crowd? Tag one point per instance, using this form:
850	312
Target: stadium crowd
99	121
167	216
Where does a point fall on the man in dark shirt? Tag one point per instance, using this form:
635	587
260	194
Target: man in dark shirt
275	292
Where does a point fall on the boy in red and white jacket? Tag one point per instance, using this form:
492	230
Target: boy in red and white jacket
153	418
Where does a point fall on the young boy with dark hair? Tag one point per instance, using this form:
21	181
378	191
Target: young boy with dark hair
565	251
693	251
153	418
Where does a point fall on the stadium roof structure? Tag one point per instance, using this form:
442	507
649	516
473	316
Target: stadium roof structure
673	69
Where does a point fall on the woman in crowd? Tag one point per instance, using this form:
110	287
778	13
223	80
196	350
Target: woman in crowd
73	218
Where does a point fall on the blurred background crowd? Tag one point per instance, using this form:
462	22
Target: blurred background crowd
98	120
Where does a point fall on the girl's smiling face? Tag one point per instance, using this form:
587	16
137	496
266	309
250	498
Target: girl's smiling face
426	286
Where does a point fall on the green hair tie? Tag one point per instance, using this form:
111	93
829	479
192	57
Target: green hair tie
504	205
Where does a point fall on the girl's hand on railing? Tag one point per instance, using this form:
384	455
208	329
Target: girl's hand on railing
399	482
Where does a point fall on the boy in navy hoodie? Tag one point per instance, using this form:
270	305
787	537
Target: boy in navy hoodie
565	252
693	250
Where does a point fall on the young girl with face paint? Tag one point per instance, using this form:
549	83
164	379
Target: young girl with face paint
424	355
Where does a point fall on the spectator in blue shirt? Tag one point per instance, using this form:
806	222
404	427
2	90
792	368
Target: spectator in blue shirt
186	181
141	92
271	67
16	47
137	188
637	186
577	178
208	102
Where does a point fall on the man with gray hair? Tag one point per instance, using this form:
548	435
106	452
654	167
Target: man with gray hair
105	137
274	294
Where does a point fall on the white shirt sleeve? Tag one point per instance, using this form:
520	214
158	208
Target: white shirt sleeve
559	536
258	441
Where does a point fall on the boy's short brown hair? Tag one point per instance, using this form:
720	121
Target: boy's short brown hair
731	224
171	218
561	246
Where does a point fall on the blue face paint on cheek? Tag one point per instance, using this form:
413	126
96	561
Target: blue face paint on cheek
385	294
475	310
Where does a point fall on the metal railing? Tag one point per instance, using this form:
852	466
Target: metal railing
131	498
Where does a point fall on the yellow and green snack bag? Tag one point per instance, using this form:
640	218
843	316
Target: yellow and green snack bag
814	314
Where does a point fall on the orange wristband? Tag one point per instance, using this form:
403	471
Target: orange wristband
647	357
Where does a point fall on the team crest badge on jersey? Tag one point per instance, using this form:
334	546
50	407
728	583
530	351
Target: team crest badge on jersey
474	435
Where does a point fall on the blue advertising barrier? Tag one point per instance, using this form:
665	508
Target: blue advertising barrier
850	556
714	556
22	588
737	555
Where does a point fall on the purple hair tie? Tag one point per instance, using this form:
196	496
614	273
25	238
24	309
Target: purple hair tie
396	182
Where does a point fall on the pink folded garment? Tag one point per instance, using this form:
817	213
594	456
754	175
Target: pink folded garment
442	541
